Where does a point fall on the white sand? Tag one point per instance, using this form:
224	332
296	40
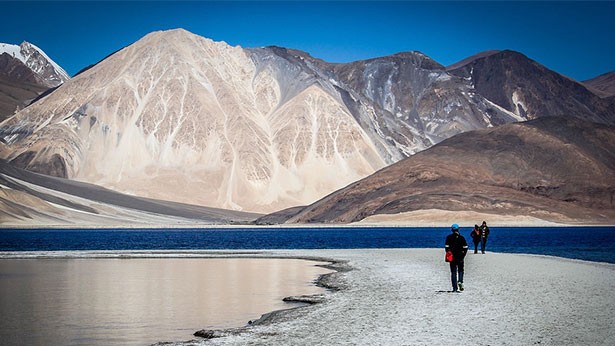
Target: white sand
394	297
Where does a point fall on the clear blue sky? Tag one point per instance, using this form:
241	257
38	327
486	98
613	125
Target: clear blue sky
576	39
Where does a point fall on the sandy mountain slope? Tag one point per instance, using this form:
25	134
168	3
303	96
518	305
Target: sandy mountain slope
179	117
554	168
33	200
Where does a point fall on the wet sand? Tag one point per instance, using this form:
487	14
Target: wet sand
401	297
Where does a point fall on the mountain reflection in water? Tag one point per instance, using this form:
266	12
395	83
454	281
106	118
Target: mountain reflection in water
141	301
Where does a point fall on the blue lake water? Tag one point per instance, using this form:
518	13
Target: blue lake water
586	243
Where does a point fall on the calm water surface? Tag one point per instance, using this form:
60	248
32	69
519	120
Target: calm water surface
140	301
587	243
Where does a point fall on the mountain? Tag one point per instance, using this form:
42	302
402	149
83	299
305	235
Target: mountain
25	73
530	90
179	117
559	169
603	85
18	86
414	102
47	71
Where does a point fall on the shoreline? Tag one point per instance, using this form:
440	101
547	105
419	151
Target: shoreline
287	326
444	224
329	281
398	296
418	218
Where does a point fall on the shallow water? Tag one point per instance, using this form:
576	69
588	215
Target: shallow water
141	301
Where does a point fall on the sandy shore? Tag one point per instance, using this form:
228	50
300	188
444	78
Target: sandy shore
438	218
399	297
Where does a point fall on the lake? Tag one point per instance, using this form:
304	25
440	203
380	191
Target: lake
141	301
113	301
586	243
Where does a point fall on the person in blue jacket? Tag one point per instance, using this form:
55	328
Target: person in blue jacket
457	244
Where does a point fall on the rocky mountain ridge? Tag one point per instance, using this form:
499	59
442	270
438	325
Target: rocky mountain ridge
179	117
530	90
26	72
603	85
47	71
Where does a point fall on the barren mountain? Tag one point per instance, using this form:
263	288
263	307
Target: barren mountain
554	168
530	90
603	85
25	73
405	102
178	117
18	86
47	71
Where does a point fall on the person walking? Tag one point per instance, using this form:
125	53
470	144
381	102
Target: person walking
484	231
476	237
456	244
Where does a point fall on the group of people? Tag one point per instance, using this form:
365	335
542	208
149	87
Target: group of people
456	249
479	235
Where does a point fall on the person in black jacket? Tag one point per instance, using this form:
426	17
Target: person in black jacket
484	230
476	237
457	244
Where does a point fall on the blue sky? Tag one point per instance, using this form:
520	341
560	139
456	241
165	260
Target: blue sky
573	38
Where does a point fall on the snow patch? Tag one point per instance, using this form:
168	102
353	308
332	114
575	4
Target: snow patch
59	70
23	52
12	50
520	108
511	114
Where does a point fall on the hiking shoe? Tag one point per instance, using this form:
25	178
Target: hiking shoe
461	286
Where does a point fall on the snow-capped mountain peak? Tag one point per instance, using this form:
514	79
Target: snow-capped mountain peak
39	62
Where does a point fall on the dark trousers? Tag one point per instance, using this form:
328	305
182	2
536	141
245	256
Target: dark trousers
483	243
456	268
476	246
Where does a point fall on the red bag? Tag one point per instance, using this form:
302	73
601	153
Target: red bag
449	256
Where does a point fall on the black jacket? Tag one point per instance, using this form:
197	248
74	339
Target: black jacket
484	231
456	243
476	235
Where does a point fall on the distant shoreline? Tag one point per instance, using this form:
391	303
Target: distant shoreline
413	219
286	226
